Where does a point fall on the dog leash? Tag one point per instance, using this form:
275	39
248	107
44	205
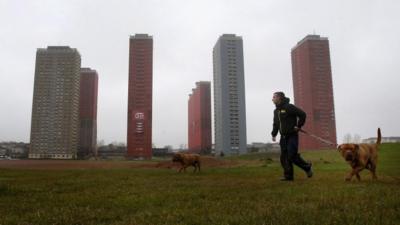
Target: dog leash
319	138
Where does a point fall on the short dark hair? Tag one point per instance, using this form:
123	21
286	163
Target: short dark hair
280	94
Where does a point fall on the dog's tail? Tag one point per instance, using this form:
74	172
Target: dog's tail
378	140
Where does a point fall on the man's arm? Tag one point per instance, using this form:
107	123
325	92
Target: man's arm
301	115
275	125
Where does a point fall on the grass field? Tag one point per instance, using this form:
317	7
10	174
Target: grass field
248	192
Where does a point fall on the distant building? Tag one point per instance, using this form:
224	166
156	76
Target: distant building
55	108
313	90
199	118
4	152
88	113
263	147
140	94
161	152
229	96
111	151
383	140
14	150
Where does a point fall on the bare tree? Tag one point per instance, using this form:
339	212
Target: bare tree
100	142
169	147
347	138
356	138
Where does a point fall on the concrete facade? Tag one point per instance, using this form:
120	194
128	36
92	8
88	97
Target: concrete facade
55	108
140	94
229	96
199	118
313	90
88	113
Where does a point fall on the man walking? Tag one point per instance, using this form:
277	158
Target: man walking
288	119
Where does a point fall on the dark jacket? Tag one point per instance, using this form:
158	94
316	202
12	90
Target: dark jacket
286	117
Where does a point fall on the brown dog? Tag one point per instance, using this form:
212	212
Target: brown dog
186	160
361	156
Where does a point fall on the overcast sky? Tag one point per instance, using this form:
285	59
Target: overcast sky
364	38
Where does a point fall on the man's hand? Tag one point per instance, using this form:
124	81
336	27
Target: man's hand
273	139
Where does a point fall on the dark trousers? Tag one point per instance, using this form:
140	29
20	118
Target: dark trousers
289	155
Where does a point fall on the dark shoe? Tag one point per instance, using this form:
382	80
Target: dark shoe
310	172
286	179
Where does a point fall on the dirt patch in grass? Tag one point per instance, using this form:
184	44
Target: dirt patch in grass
206	162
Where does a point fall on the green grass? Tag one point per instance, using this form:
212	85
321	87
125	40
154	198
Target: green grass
248	194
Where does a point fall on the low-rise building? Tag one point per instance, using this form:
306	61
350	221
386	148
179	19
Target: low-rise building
383	140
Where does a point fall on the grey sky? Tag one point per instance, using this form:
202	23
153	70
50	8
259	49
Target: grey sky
364	40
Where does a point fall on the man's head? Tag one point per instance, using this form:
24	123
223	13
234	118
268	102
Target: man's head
278	97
